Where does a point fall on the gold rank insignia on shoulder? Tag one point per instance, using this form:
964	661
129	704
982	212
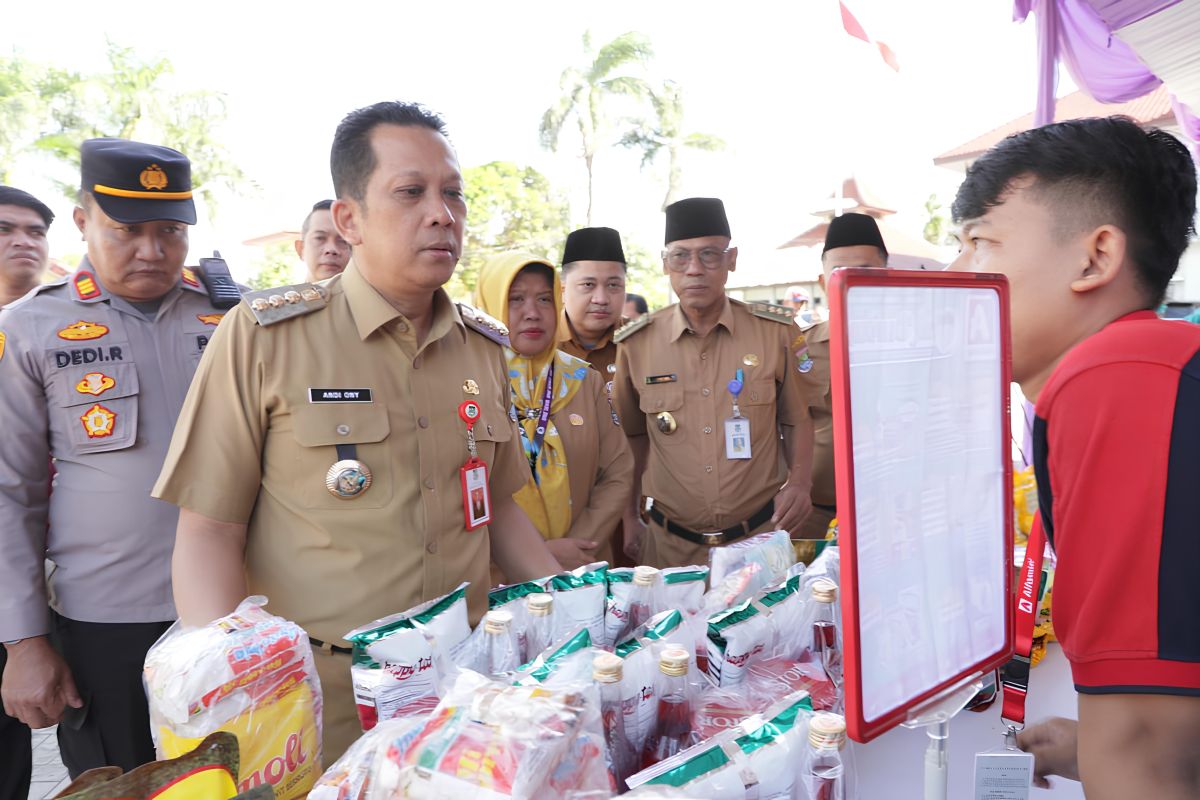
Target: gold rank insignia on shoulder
772	312
629	328
284	302
484	324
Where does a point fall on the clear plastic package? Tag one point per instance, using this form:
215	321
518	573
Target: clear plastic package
579	599
251	674
401	663
761	758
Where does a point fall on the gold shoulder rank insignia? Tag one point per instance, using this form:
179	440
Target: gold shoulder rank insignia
484	324
284	302
772	312
629	328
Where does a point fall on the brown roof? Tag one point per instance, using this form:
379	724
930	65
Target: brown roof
1153	108
866	202
905	250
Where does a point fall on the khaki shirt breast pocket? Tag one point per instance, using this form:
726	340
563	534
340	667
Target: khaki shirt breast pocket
493	428
98	406
661	405
318	429
757	402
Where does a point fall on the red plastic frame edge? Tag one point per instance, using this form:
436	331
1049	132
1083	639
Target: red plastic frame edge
842	280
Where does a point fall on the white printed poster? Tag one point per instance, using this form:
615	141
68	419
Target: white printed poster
929	446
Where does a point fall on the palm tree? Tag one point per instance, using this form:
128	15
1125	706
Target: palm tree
584	90
666	132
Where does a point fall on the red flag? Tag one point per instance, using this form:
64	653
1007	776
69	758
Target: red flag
888	56
851	24
855	29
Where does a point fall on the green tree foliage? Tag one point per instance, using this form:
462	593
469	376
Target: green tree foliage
51	111
278	266
937	227
509	207
666	133
585	89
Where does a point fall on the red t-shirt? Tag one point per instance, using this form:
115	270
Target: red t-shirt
1117	456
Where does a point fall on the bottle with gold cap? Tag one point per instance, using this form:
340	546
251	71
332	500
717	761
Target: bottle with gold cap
607	670
673	725
826	647
826	771
501	647
641	600
539	631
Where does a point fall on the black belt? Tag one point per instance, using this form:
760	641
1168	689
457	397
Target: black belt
825	508
329	648
716	537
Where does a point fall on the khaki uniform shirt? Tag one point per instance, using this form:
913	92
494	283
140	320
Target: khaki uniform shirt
602	357
665	367
88	379
252	448
818	398
599	462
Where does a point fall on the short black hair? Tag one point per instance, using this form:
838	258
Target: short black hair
1098	171
12	196
638	301
352	159
320	205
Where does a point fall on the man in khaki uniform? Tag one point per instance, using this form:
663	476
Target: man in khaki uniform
319	456
593	293
93	373
713	481
322	249
853	240
593	298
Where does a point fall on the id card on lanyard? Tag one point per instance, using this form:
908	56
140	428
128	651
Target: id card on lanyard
477	499
737	427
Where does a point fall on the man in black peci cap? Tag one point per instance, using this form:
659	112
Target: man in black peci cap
708	393
593	288
853	240
93	373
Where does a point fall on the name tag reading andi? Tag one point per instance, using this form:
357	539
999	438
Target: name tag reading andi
339	396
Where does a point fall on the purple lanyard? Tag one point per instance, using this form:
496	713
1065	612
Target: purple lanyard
544	417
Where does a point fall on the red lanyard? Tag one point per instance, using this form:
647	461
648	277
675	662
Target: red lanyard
1014	676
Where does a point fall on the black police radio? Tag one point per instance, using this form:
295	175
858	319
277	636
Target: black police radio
222	290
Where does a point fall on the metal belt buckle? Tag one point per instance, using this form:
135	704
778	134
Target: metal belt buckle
713	538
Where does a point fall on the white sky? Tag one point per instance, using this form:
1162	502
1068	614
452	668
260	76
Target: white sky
800	103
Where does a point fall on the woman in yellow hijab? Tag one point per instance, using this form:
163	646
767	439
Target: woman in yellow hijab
581	468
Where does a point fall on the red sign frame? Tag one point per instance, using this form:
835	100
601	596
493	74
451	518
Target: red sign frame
859	728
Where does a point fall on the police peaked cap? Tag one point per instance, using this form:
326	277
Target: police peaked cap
852	230
137	182
593	244
696	217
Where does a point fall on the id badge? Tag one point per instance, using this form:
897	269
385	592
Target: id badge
1003	775
477	500
737	437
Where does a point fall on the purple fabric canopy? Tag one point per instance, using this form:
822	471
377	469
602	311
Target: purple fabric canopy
1079	33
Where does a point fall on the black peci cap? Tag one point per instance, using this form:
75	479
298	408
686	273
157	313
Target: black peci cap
593	244
137	182
852	230
696	217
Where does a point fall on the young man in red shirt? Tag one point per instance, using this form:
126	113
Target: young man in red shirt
1088	220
